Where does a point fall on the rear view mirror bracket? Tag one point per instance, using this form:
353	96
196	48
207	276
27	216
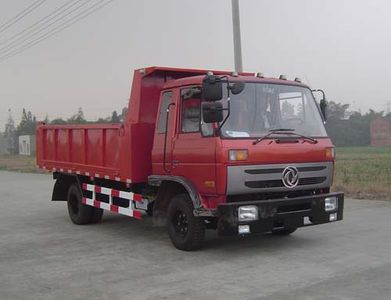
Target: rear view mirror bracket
322	104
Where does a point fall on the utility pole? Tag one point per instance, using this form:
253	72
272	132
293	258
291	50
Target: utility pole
236	36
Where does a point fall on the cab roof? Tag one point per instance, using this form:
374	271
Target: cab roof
182	77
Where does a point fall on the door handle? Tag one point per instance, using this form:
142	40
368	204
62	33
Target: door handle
175	162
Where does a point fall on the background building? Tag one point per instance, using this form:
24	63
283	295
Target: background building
381	131
27	145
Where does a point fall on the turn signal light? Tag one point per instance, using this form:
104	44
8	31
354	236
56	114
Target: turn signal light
330	153
238	155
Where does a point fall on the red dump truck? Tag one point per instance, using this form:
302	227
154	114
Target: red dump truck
238	153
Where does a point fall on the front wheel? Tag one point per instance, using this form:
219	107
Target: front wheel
186	231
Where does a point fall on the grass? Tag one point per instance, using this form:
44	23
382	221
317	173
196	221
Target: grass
18	163
363	172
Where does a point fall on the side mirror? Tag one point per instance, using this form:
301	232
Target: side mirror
212	88
323	108
237	87
212	112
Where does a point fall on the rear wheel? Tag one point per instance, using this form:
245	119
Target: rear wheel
186	231
80	213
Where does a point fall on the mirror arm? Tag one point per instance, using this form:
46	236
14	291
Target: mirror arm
320	91
229	112
228	87
323	113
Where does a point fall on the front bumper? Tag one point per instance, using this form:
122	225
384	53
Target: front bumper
279	213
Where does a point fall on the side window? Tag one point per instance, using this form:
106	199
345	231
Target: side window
191	109
165	101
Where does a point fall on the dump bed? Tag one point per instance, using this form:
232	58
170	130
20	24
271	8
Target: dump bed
103	151
119	152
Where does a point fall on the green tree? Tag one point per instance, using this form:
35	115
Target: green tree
10	134
27	124
347	128
115	118
58	121
78	118
10	125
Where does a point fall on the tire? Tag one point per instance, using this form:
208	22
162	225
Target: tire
97	215
79	213
284	231
186	231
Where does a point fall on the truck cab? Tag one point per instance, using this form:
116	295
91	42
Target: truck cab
256	158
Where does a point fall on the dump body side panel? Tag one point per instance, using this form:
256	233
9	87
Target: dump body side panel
86	149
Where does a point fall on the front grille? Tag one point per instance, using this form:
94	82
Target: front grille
278	183
280	170
247	179
264	184
311	180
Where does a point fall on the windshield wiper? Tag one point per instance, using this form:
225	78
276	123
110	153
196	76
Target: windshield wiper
287	131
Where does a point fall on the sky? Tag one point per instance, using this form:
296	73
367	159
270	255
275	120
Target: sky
340	46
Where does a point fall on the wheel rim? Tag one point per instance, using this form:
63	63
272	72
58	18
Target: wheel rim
74	204
180	223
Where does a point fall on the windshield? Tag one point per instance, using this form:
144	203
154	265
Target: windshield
264	107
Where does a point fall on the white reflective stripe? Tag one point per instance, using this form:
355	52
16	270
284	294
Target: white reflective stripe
125	211
104	205
105	191
126	195
108	191
91	187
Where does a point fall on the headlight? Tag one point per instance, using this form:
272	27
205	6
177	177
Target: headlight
248	213
237	155
330	203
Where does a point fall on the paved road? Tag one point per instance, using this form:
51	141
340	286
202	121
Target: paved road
44	256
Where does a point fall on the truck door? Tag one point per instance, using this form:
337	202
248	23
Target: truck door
193	154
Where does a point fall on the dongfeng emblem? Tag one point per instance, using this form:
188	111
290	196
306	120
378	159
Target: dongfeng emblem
290	177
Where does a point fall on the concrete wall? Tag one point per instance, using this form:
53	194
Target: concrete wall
381	132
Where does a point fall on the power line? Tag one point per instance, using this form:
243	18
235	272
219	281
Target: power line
27	36
21	15
85	13
58	28
37	23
